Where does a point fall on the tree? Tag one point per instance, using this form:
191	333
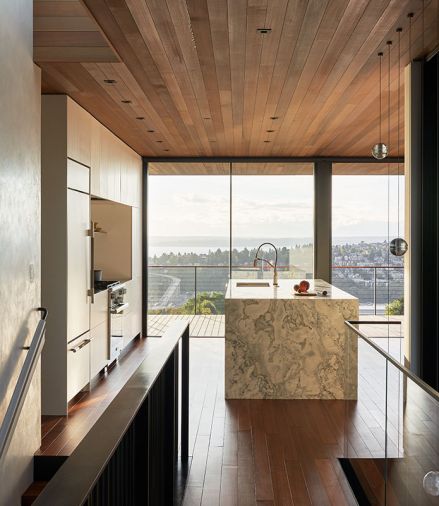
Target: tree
395	307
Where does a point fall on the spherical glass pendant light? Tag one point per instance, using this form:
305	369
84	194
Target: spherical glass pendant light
431	483
398	247
380	151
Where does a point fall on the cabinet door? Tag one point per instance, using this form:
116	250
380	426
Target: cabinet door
109	166
78	264
98	349
99	309
136	259
95	168
78	365
131	178
78	133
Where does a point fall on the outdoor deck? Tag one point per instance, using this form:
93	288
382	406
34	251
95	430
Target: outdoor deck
213	325
200	325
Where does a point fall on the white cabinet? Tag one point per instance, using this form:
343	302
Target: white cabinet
99	309
98	349
78	133
78	365
78	264
80	157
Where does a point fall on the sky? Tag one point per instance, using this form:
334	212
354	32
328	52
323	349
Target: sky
270	206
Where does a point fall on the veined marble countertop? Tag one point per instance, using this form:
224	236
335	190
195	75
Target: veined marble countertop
285	290
282	346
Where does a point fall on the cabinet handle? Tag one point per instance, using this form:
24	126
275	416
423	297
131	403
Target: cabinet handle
91	291
80	345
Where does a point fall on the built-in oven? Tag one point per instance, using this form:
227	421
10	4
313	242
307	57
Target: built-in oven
117	306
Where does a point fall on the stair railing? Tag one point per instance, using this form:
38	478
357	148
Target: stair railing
23	383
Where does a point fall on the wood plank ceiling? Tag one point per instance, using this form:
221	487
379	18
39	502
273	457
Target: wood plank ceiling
196	78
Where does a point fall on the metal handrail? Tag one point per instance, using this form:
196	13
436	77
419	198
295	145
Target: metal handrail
23	383
201	266
421	384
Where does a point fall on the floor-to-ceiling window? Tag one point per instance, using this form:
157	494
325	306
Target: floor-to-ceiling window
366	200
272	203
188	246
205	222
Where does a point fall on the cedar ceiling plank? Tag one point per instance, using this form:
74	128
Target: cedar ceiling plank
256	18
69	39
219	17
64	24
58	8
73	54
237	43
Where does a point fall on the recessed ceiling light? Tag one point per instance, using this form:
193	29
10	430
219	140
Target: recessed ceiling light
263	30
166	150
159	141
274	117
110	81
267	141
140	117
207	117
269	131
126	101
151	131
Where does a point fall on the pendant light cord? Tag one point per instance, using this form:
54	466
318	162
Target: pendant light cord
399	30
389	43
380	55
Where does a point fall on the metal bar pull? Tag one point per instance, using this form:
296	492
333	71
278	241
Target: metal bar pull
91	233
80	345
120	309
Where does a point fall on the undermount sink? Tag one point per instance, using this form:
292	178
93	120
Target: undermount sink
253	284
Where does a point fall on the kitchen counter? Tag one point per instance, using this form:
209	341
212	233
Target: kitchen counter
279	345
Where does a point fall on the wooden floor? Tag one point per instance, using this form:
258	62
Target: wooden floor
260	452
200	325
281	452
61	434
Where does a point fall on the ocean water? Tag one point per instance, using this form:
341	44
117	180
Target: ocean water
202	245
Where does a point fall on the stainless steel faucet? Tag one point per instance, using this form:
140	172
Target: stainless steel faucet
255	261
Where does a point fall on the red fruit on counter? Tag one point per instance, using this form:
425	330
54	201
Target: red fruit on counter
304	285
296	288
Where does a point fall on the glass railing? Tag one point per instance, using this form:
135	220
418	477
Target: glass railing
375	286
391	426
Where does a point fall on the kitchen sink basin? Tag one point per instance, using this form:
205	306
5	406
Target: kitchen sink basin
253	284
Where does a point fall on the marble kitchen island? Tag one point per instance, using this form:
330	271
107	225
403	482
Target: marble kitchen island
282	346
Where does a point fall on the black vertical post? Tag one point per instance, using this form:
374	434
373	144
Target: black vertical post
430	224
185	395
144	248
323	220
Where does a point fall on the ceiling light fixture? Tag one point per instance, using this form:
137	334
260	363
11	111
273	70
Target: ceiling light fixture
269	131
110	81
379	150
274	117
267	141
126	101
140	118
151	131
263	31
398	246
